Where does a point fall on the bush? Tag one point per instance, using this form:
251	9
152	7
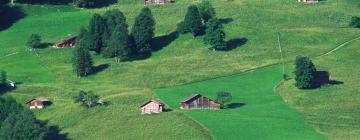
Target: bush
355	22
34	41
304	73
223	97
88	99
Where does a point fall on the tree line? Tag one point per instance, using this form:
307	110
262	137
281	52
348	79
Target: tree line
78	3
108	35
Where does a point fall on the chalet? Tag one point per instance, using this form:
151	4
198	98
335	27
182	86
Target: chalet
152	106
197	101
309	1
66	43
157	1
38	103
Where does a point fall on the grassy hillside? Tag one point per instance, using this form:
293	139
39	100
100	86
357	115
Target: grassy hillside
251	25
256	112
332	109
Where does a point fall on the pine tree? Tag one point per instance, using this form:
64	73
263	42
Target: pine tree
193	21
119	42
2	78
22	126
34	41
206	10
215	36
8	105
143	32
83	39
96	31
114	19
304	73
82	62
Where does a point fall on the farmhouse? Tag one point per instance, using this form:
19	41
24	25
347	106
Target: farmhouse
152	106
197	101
156	1
66	43
308	1
38	103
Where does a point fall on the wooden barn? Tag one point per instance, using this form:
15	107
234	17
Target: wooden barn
66	43
38	103
197	101
152	106
309	1
157	1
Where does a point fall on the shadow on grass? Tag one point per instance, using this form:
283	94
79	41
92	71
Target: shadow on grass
104	3
234	43
226	20
45	45
99	68
6	88
54	133
53	2
234	105
9	15
162	41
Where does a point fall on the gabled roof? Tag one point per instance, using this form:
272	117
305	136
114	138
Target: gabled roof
194	95
42	99
157	101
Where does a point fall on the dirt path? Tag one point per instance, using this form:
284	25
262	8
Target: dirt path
340	46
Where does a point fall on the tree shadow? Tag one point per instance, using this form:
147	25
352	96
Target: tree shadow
6	88
167	110
54	133
44	45
234	43
99	68
234	105
226	20
53	2
104	3
323	78
9	15
335	82
162	41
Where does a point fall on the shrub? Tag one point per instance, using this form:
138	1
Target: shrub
304	73
88	99
34	41
355	22
223	97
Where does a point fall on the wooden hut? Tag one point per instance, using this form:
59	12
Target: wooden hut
66	43
38	103
157	1
197	101
309	1
152	106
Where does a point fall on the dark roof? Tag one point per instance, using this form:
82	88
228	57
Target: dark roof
157	101
194	95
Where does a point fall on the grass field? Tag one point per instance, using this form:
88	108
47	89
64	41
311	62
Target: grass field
256	111
304	29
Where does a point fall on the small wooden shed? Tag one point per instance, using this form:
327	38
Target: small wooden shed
309	1
66	43
38	103
197	101
152	106
157	1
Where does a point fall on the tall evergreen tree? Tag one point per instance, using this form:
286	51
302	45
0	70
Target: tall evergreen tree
2	78
34	41
119	42
304	73
193	21
215	36
206	10
96	30
22	126
83	39
113	18
143	32
8	106
82	62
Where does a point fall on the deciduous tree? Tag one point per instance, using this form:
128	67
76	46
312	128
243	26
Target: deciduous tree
215	36
88	99
223	97
206	10
34	41
82	62
304	73
96	31
193	21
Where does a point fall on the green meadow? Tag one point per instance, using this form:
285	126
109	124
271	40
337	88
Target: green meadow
252	26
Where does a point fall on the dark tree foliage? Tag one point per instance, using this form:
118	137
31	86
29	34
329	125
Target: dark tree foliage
355	22
82	62
206	10
143	32
83	39
119	43
2	78
193	21
34	41
85	3
44	1
215	36
181	28
223	97
304	73
8	106
114	19
22	126
96	29
88	99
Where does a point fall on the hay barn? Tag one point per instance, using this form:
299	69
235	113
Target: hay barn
197	101
38	103
157	1
66	43
152	106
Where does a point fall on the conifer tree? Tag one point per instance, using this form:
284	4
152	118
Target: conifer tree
304	73
215	36
34	41
22	126
82	62
119	43
193	21
96	31
83	39
206	10
2	78
143	32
